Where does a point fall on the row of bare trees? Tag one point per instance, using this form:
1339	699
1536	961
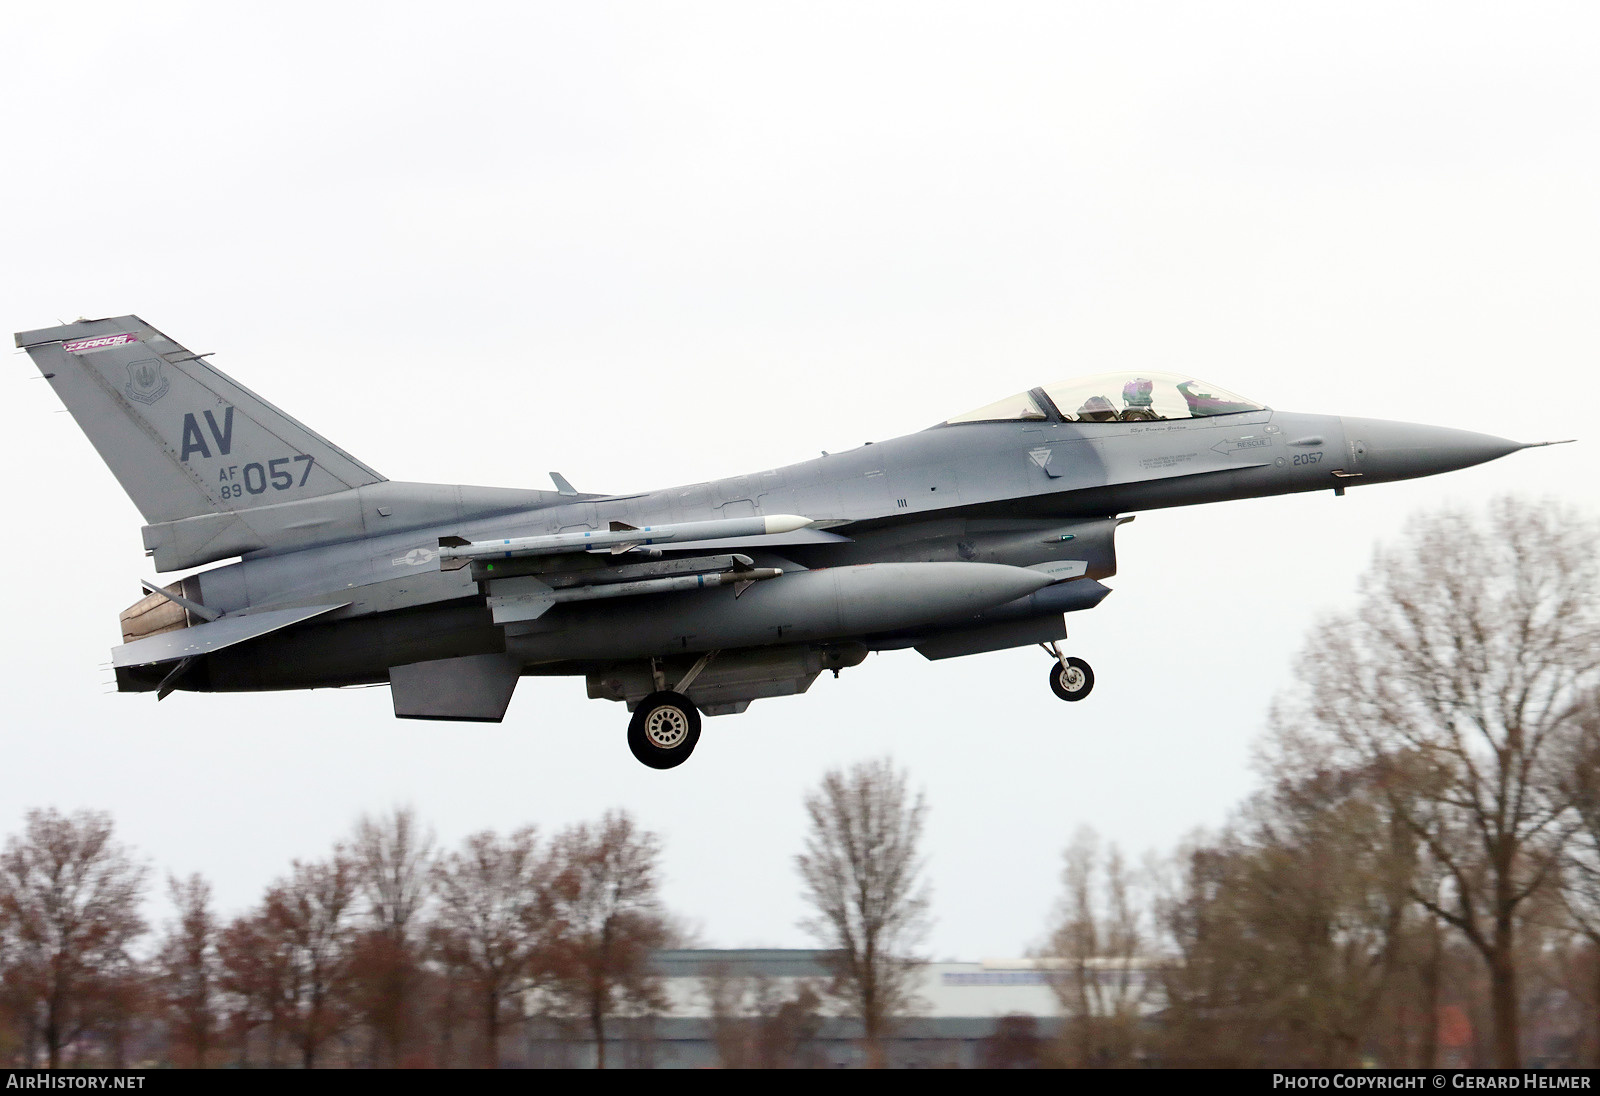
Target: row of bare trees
1418	880
391	951
387	951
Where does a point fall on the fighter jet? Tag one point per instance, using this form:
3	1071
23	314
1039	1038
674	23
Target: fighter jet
977	534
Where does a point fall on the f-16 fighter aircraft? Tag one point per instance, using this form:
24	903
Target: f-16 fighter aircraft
973	535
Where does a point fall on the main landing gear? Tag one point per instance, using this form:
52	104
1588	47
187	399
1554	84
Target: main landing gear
1070	678
664	728
666	724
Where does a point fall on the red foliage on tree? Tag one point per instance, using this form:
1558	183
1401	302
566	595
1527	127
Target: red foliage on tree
69	910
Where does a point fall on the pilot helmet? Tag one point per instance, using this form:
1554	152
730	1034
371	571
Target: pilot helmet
1136	393
1096	409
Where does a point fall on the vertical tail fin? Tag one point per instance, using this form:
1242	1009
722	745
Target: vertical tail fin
182	438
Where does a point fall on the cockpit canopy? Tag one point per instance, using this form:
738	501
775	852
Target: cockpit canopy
1115	397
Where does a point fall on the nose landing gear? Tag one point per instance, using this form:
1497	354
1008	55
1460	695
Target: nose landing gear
1070	678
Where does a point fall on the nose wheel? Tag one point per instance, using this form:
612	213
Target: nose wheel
1070	678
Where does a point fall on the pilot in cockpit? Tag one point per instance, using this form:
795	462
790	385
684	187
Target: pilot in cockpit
1141	404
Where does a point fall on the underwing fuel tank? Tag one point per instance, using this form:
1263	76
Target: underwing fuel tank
820	604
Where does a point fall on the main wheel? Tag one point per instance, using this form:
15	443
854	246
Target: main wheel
664	728
1072	681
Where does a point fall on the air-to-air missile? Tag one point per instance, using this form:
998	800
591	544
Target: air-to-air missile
526	598
976	534
620	537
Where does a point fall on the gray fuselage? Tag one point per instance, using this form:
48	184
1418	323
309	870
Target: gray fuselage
1013	493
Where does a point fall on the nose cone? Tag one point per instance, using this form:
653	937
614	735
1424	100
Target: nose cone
1381	450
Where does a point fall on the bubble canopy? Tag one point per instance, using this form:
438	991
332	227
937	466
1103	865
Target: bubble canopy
1115	397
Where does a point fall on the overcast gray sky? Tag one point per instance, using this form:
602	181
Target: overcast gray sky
648	244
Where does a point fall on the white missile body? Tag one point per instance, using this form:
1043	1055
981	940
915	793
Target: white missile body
619	538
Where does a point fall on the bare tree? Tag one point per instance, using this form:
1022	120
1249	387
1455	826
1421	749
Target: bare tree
860	871
307	917
187	971
1580	890
1421	969
120	1003
608	919
493	895
1096	955
1456	681
18	1033
253	976
392	858
69	897
1289	926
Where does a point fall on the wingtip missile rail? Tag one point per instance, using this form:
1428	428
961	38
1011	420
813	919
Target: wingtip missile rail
456	552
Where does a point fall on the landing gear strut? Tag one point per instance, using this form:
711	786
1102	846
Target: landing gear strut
1070	678
664	729
666	724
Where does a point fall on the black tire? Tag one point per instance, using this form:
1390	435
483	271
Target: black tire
664	729
1074	681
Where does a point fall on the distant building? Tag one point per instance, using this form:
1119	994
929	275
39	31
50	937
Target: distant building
751	1006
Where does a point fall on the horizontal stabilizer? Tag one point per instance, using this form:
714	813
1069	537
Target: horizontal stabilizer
212	636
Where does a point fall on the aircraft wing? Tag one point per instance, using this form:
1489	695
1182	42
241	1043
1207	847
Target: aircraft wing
211	636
